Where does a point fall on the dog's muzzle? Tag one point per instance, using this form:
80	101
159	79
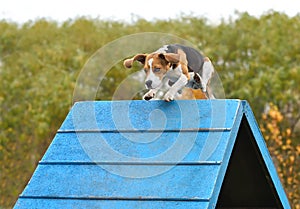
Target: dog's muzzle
148	84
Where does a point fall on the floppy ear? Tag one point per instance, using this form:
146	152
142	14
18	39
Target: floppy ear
139	57
170	57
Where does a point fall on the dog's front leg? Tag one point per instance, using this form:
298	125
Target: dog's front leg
178	85
150	94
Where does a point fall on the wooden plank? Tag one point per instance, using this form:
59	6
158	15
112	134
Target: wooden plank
144	115
226	157
84	181
115	147
32	203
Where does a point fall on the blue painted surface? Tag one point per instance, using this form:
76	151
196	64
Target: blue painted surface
76	146
140	154
93	181
226	157
86	203
144	115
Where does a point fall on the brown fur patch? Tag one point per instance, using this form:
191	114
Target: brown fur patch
188	93
184	63
161	61
139	57
158	62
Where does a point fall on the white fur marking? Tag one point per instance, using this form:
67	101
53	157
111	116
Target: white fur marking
156	82
178	85
150	61
208	70
163	49
150	94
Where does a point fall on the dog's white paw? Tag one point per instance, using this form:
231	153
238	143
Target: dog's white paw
169	96
149	95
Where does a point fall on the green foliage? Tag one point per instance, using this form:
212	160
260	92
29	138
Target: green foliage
256	58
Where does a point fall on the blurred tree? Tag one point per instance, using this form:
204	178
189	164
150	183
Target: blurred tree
285	153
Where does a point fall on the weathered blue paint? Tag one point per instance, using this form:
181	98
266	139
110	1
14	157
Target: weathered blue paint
77	171
71	143
95	204
145	115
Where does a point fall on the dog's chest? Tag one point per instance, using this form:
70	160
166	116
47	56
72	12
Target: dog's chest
174	74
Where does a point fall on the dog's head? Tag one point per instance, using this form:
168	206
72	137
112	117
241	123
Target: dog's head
156	65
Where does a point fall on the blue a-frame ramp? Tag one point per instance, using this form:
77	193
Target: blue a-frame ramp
139	154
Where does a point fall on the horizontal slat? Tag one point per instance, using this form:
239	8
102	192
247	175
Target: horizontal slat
145	115
143	131
25	203
150	163
115	147
119	198
84	181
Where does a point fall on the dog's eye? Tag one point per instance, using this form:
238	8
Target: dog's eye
156	70
145	70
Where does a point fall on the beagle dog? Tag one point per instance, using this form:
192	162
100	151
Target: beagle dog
175	66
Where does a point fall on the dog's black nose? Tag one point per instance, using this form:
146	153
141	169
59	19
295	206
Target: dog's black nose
148	84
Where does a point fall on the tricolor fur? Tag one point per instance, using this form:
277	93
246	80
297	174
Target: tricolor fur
172	65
